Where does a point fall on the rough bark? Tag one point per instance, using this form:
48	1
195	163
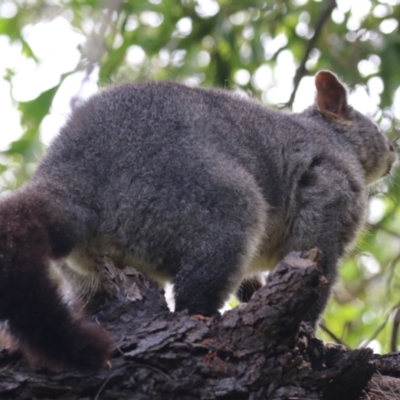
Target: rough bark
259	350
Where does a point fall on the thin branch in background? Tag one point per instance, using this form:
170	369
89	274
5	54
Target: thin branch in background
381	326
329	6
391	268
395	331
376	332
332	335
96	45
384	229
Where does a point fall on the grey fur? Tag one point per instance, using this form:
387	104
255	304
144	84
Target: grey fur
203	188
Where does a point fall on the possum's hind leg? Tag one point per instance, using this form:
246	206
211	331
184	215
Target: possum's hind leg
204	283
216	261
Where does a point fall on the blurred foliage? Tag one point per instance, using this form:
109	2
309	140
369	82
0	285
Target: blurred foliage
240	44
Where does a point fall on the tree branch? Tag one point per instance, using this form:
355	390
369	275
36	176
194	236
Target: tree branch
327	9
259	350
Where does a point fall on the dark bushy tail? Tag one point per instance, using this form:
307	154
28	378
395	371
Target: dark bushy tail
31	234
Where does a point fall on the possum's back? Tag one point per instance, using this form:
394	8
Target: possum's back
131	133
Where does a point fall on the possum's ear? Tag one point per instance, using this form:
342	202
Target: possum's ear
331	97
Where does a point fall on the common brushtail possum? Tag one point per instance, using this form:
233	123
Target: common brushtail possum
195	186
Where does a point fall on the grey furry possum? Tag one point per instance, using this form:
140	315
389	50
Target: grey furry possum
199	187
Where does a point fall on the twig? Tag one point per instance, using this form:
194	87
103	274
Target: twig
96	46
301	70
391	268
386	230
395	331
380	327
332	335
